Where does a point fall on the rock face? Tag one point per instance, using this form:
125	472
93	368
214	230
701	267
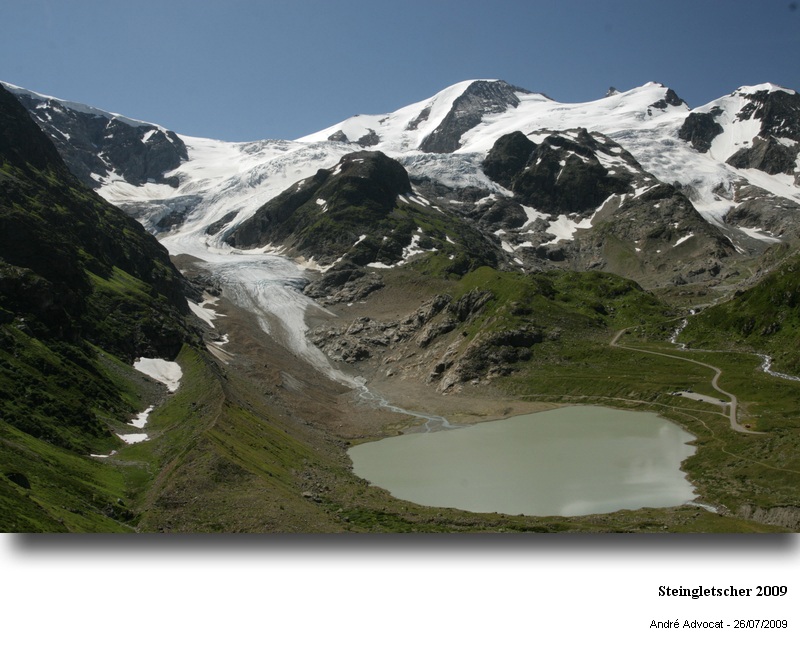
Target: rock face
700	129
479	99
96	144
56	236
347	284
783	516
359	213
778	111
563	174
508	158
325	215
774	148
670	98
449	359
768	155
759	210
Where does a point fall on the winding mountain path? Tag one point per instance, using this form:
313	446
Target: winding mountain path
733	403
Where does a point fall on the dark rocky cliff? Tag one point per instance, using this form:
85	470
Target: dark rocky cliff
94	145
480	98
59	243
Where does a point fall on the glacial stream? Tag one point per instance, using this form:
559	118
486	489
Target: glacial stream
431	424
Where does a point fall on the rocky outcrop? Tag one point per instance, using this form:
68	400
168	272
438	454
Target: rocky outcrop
783	516
324	216
338	136
360	340
496	354
561	175
481	98
778	111
470	304
436	327
758	209
670	99
369	139
700	129
564	175
508	157
773	150
96	144
768	155
344	284
272	223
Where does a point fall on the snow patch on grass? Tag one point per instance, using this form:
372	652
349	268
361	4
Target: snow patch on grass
164	371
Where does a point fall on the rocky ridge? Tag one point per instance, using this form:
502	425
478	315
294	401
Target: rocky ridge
98	145
363	213
425	344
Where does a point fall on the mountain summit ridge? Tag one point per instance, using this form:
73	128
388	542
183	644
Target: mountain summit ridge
186	189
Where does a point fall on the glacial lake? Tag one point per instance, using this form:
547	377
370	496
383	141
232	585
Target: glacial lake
569	461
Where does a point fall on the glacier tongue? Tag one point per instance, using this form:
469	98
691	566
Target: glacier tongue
270	287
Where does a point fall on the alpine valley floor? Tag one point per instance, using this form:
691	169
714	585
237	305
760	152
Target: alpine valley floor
266	448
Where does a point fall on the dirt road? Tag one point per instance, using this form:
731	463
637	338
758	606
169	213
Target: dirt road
733	401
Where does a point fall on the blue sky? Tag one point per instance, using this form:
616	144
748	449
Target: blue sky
244	70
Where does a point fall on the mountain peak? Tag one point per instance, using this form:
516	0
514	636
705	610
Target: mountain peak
770	88
480	98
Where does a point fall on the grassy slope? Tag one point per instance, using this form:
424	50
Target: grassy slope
48	482
220	460
764	318
77	278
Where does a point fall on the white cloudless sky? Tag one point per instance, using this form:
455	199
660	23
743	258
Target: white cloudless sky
247	69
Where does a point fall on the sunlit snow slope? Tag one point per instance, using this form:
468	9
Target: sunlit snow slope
227	182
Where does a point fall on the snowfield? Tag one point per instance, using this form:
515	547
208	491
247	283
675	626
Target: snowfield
168	373
230	181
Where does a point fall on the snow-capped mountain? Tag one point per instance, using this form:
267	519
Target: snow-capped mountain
734	160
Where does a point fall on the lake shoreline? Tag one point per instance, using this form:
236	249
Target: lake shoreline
579	460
